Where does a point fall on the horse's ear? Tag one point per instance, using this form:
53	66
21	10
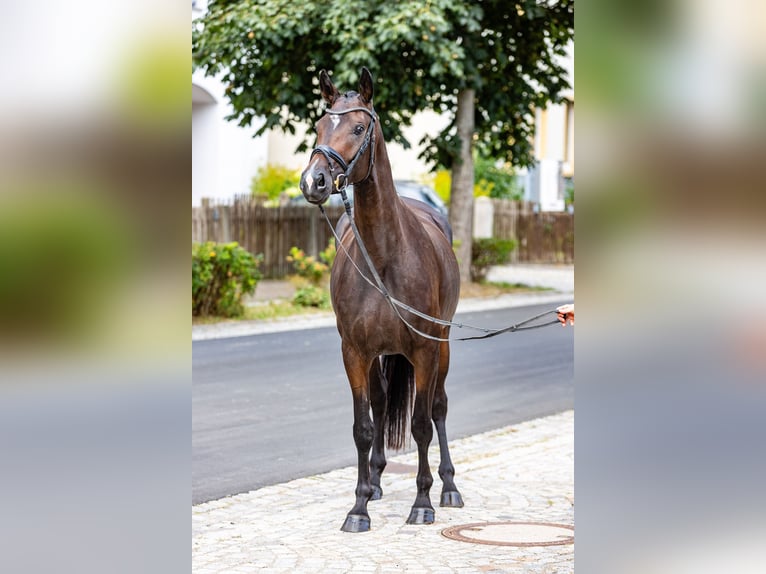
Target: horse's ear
366	85
329	91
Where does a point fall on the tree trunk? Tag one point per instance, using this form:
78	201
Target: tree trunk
461	191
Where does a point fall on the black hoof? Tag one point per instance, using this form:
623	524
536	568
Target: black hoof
377	493
356	523
421	516
452	499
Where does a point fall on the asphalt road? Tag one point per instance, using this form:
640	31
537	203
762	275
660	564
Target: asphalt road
270	408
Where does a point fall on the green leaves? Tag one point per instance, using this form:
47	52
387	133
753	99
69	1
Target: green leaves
222	273
495	180
313	273
307	266
421	55
271	180
488	252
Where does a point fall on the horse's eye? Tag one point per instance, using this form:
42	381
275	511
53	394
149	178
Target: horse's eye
358	129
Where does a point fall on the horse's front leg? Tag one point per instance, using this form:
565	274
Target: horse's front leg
357	370
422	511
378	388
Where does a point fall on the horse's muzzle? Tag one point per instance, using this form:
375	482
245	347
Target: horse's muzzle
316	184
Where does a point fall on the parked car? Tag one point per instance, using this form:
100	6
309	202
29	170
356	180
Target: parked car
404	188
422	193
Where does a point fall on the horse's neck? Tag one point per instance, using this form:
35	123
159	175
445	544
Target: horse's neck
377	208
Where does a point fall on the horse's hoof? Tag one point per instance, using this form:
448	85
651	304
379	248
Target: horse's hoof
356	523
452	499
421	516
377	493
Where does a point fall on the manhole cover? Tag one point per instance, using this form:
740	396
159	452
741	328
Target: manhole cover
512	533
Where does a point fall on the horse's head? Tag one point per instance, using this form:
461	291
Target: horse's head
344	151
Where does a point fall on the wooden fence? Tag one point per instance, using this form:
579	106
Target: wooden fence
546	237
272	231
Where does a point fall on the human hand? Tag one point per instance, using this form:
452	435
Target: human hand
565	313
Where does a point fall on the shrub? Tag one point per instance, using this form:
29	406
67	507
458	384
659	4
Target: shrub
221	274
306	266
487	252
271	180
312	296
312	273
328	255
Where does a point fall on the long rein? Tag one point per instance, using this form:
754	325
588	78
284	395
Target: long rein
378	285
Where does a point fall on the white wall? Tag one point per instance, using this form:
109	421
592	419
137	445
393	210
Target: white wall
405	163
225	157
204	150
282	148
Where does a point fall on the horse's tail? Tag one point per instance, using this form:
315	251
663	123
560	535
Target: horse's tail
400	375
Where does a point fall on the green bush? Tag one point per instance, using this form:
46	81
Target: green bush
221	274
312	274
271	180
328	255
312	296
487	252
306	266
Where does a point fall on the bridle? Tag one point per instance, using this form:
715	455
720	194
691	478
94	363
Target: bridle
333	156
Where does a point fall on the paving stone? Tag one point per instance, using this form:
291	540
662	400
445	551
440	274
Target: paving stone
520	473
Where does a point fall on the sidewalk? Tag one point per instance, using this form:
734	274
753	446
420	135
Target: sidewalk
558	277
521	473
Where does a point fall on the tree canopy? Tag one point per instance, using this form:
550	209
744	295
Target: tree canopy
422	54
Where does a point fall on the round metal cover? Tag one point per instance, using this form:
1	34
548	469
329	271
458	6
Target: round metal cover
512	533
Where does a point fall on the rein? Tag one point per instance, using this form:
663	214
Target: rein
396	304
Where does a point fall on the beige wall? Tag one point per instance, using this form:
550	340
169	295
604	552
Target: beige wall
554	135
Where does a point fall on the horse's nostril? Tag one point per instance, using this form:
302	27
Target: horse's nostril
320	181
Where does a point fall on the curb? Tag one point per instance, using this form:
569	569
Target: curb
296	323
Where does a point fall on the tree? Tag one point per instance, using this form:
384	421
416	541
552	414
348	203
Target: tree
487	64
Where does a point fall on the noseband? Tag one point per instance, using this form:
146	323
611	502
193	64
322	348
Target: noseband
330	154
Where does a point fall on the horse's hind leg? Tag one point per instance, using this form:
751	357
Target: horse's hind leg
450	495
357	370
378	385
422	511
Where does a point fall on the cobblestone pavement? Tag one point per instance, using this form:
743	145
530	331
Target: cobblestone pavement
524	472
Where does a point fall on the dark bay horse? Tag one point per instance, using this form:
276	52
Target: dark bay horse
388	364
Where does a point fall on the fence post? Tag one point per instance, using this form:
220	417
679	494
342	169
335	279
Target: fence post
483	217
313	248
225	213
